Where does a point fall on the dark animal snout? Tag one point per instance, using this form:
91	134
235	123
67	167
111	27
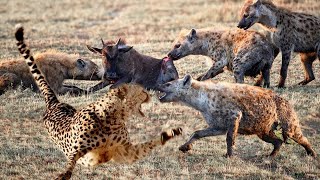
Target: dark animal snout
241	25
112	75
244	24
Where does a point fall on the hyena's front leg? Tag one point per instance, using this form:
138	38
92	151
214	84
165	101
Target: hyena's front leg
286	55
129	153
211	131
220	60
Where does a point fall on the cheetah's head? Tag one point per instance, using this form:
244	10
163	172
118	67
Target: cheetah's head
134	96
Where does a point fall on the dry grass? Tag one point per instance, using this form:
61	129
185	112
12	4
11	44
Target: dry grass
151	26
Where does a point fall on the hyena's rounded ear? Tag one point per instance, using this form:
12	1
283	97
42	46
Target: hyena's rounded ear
187	80
94	50
81	64
192	35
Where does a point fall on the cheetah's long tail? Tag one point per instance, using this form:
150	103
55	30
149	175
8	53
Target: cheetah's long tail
44	87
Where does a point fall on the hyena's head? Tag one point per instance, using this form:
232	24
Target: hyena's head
175	90
77	67
186	44
110	54
250	14
85	69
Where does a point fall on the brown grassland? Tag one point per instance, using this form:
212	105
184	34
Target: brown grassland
150	26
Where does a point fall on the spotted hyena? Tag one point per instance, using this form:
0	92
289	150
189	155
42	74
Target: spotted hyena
245	53
56	67
291	31
232	108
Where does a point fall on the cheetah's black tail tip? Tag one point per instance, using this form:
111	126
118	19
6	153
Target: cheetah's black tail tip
19	32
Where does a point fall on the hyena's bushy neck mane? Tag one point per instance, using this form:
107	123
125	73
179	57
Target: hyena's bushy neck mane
45	89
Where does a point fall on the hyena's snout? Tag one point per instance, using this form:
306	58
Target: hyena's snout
242	24
174	54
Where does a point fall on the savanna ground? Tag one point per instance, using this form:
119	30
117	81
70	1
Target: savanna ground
151	26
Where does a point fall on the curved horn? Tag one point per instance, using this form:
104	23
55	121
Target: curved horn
102	41
118	41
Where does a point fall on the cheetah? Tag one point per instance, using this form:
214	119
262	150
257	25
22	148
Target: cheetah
233	108
97	133
291	31
55	66
243	53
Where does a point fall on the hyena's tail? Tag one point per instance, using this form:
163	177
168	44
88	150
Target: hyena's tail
290	125
45	89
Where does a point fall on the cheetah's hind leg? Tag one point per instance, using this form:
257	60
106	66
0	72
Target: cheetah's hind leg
129	153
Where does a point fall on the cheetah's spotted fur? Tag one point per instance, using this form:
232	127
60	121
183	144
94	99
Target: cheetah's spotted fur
97	133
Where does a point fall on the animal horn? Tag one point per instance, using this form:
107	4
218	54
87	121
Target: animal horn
102	41
118	41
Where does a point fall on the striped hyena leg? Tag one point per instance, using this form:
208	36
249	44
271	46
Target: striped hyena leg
307	60
129	153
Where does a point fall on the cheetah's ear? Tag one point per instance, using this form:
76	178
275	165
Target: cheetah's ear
94	50
187	81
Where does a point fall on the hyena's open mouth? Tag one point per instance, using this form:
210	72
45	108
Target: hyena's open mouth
161	95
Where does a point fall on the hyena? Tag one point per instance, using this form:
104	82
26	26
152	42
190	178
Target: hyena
56	67
245	53
291	31
232	108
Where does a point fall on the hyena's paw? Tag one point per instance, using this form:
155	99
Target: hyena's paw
185	148
165	136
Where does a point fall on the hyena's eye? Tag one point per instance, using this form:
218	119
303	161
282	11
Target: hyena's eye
177	45
246	15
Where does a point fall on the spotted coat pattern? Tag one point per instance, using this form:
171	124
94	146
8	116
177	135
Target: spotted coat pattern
97	133
232	109
245	53
291	31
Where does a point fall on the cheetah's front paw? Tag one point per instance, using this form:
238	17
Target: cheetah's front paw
165	136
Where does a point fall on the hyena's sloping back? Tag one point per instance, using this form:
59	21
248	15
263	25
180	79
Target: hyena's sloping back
50	97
